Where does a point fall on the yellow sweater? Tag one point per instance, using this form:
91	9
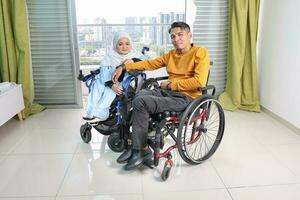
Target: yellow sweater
187	72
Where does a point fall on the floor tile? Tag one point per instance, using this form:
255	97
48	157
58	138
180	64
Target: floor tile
97	143
29	198
98	173
104	197
32	175
217	194
250	166
11	134
277	192
288	155
44	158
49	141
56	118
266	126
2	157
198	177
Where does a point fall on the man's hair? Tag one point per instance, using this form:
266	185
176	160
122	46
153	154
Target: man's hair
181	25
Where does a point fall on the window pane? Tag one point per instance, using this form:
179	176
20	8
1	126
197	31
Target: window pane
147	25
118	11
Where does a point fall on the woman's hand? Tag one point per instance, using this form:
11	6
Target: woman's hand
117	88
117	73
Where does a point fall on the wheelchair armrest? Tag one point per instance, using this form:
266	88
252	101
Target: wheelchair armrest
97	71
208	87
135	73
83	77
161	78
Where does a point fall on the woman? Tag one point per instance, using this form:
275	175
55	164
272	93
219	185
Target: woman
101	96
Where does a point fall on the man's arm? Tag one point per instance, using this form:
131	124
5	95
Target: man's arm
142	65
147	64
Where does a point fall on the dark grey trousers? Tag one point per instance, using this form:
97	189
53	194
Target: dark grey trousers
148	102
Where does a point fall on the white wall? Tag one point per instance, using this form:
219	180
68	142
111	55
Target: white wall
279	58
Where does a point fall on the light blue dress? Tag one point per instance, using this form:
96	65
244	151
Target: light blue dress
100	96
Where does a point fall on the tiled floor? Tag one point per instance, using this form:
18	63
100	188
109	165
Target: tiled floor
44	158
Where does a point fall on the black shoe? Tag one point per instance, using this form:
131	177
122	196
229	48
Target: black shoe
138	158
88	118
124	157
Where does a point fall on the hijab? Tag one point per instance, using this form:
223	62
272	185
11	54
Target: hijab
113	58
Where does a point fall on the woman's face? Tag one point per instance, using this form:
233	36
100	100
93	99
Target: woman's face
123	46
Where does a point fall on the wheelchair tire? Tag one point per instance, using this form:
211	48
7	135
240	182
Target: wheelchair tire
150	83
200	130
85	132
166	172
115	143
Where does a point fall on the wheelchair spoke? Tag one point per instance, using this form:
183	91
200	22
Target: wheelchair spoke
216	116
202	132
206	145
200	145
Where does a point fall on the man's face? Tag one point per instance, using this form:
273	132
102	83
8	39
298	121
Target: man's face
181	39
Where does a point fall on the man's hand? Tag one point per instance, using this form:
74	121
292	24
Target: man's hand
127	61
117	73
165	85
117	88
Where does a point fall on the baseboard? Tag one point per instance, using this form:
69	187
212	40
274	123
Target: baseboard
281	120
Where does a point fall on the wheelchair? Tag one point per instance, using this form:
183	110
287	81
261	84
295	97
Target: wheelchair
116	127
197	131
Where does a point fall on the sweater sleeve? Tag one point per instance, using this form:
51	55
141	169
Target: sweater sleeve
148	64
200	76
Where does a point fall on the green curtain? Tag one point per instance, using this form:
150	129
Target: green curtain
15	57
241	90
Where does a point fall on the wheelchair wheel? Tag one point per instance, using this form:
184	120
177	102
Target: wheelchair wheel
166	171
200	130
85	132
115	143
150	83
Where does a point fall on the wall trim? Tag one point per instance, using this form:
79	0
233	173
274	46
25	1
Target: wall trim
281	120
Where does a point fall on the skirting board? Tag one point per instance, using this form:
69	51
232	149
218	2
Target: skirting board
281	120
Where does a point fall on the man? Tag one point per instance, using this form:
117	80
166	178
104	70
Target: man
187	66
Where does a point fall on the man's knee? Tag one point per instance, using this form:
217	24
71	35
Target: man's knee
143	103
138	102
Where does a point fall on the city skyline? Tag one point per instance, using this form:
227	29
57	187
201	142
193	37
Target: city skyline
89	10
94	40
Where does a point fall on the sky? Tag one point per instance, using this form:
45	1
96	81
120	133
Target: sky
115	11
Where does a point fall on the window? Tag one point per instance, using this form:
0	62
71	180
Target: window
54	58
147	22
54	38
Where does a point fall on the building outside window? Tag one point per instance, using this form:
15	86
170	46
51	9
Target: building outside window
97	21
